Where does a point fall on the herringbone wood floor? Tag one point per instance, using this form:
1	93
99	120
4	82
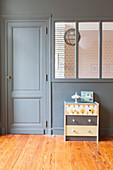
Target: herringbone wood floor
48	152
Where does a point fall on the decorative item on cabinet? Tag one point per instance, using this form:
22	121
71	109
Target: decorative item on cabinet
81	121
87	96
75	96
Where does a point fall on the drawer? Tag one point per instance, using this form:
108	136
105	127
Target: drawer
81	120
81	130
81	109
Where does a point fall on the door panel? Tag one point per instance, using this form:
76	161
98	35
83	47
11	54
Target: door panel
26	50
27	85
27	110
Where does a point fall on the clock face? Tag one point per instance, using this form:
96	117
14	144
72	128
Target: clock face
69	37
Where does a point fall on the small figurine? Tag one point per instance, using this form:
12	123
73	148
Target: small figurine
76	96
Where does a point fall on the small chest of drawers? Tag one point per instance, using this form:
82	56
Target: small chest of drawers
81	121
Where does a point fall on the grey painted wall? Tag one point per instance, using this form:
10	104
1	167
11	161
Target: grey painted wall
103	95
64	9
59	8
0	65
0	6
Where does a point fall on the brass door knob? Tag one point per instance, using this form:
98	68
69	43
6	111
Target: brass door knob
8	77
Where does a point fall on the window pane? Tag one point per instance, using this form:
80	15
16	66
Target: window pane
88	50
65	50
107	50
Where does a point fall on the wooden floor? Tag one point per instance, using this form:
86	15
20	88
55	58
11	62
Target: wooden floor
51	152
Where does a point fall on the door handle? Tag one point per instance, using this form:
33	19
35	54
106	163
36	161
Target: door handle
8	77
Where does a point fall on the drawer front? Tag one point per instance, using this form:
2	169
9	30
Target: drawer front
81	130
81	109
81	120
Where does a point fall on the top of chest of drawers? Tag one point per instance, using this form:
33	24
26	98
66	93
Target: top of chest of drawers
79	103
72	108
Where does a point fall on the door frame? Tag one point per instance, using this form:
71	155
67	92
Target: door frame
4	65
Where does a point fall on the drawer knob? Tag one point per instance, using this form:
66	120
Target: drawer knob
89	120
89	131
73	130
74	120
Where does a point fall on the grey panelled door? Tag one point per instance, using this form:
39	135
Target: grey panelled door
26	77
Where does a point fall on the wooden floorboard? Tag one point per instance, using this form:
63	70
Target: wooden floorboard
42	152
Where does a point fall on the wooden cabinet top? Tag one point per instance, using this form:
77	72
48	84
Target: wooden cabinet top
79	103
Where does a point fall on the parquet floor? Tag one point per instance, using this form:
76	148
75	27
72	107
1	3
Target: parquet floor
52	153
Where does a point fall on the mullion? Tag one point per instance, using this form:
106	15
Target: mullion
100	52
76	50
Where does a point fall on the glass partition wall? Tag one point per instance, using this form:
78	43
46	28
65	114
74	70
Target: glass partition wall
64	53
83	50
107	50
88	50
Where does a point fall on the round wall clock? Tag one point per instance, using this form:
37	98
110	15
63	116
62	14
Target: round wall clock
69	37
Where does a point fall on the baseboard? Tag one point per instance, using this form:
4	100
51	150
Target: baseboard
3	131
57	131
0	129
27	131
49	132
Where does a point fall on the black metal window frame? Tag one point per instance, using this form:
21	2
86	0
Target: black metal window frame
77	79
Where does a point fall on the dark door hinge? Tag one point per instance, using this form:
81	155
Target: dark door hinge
46	30
46	124
46	77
